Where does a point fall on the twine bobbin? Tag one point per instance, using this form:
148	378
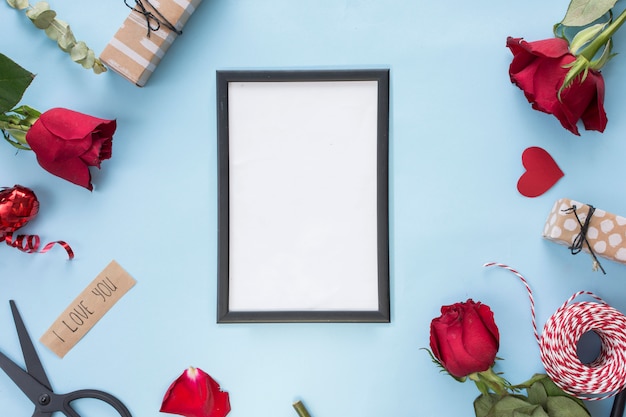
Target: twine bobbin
598	380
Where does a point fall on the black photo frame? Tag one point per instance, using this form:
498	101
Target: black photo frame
303	217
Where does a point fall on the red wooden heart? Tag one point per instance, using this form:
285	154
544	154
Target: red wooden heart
541	172
18	205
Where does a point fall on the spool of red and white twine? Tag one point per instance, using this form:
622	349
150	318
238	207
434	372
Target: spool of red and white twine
598	380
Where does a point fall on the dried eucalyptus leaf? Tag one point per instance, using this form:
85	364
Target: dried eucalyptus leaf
66	41
44	19
37	9
89	60
18	4
79	51
52	32
98	67
57	29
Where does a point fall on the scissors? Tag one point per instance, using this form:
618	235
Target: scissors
618	404
36	386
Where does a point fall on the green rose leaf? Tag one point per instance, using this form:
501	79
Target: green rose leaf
18	4
537	394
553	390
531	411
14	80
483	404
506	406
565	407
584	12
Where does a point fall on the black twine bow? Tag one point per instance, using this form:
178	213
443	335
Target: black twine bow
581	238
150	17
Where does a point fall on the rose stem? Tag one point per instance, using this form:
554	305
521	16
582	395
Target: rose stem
301	409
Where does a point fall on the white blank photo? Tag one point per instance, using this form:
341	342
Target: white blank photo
303	196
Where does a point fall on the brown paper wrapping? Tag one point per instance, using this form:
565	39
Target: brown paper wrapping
606	233
87	309
135	55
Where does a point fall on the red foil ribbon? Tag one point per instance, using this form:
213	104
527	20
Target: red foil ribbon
18	206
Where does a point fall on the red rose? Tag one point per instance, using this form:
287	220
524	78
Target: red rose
465	338
539	68
196	394
67	143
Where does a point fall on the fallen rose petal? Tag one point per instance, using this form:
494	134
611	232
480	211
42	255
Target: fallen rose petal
196	394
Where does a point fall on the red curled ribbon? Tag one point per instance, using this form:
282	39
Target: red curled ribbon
19	205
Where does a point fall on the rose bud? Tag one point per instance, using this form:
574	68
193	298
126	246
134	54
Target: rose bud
196	394
67	143
540	68
465	338
18	205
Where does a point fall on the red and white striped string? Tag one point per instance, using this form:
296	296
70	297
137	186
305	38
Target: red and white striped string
598	380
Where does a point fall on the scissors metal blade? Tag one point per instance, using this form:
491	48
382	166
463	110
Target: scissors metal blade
33	364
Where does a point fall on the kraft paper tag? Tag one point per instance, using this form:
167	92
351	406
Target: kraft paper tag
89	307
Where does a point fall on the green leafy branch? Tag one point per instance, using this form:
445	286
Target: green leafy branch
44	18
593	25
15	121
544	399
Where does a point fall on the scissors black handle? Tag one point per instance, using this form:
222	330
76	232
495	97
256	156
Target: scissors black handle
618	404
49	403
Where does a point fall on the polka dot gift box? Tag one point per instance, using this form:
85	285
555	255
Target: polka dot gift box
583	227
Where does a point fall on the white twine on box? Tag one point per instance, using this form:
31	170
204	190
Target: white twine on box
598	380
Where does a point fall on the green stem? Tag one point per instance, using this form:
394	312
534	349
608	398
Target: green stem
4	125
592	49
490	380
15	134
301	409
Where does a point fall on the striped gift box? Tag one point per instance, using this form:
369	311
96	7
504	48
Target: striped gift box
135	50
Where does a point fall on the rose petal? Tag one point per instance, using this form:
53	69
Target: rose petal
70	124
50	147
72	170
196	394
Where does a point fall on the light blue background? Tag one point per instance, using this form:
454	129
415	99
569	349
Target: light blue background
458	129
